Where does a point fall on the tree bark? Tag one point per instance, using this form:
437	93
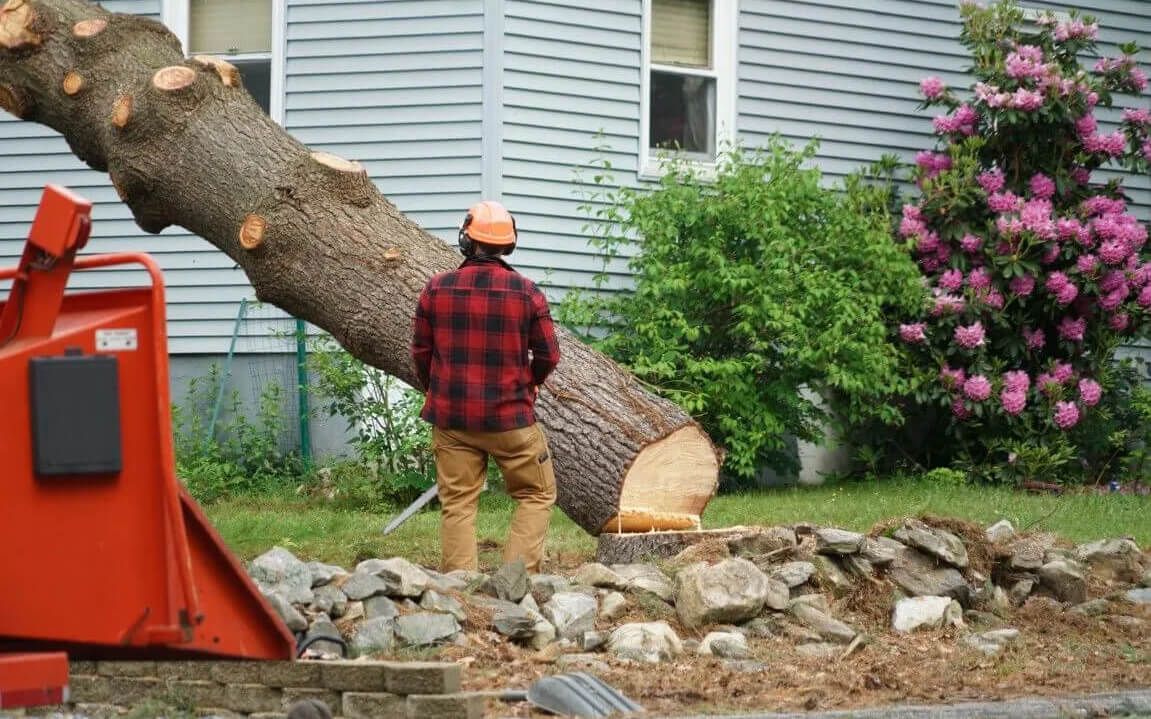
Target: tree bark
186	145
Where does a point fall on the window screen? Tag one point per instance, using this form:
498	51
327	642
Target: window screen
681	32
230	27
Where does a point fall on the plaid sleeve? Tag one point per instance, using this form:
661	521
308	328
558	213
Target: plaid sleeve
422	339
545	349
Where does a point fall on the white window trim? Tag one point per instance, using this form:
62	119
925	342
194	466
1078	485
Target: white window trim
725	49
174	14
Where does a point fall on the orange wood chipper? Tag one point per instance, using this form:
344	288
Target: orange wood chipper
103	554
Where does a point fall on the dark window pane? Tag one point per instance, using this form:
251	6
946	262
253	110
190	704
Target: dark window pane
257	76
682	113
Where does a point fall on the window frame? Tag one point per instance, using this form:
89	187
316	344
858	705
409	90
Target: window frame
177	16
724	44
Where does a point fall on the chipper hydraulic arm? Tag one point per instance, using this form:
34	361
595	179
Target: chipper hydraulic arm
103	554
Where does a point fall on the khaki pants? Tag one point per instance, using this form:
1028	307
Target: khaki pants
461	463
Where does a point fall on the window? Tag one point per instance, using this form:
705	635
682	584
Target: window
244	32
689	79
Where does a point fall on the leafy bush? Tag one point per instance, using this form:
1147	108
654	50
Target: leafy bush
1038	271
755	293
239	455
393	445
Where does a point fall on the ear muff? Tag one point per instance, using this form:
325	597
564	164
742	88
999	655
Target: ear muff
467	247
515	235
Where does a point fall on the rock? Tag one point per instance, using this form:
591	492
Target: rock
543	586
530	606
857	566
734	590
592	641
981	619
425	629
472	580
279	566
612	607
1092	608
324	573
444	583
330	600
830	576
880	551
374	636
745	666
292	617
571	613
1138	596
938	543
433	601
818	601
829	540
354	613
510	582
1000	532
645	578
819	650
778	595
1026	556
650	642
826	626
511	620
761	542
1114	558
582	663
799	634
991	642
917	574
793	574
1021	590
403	578
999	602
762	627
543	634
1065	580
380	606
323	627
1125	622
925	612
597	575
361	585
1146	580
727	645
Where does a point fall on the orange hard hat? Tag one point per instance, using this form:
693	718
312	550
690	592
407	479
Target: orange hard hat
489	222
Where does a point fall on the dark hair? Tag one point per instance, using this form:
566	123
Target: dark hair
483	248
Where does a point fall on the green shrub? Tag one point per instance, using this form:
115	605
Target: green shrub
750	288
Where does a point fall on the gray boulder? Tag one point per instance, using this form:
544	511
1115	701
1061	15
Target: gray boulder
543	586
991	642
1027	555
733	590
645	578
650	642
818	601
778	595
374	636
880	551
571	613
595	574
324	573
1141	595
321	628
444	583
292	617
793	574
918	575
380	606
433	601
1021	589
829	574
511	620
1146	580
726	645
330	600
592	641
925	612
402	578
426	628
1000	532
1092	607
1065	580
826	626
510	582
829	540
613	606
362	585
278	571
857	566
937	543
819	650
582	663
755	544
1118	558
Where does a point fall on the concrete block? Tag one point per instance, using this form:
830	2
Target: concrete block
268	715
423	677
446	706
185	670
219	713
236	672
291	674
135	690
372	705
98	710
126	669
81	668
345	676
198	692
90	689
252	698
328	696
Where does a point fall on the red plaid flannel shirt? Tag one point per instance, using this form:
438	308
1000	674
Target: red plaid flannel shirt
473	331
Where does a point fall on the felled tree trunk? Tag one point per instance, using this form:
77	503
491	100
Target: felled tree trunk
186	145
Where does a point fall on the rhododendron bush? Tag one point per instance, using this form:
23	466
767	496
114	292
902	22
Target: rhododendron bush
1036	265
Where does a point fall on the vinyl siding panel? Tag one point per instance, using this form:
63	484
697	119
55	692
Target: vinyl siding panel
396	85
848	73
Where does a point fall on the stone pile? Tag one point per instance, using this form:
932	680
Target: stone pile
778	581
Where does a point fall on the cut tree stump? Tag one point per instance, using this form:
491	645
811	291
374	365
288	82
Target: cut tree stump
186	145
627	548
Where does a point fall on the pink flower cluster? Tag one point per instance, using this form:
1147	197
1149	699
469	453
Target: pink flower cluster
932	163
913	333
977	388
970	336
1076	29
1026	62
1014	394
932	88
1138	116
1066	415
1072	330
1090	392
1062	288
963	122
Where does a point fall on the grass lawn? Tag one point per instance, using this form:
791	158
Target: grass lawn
314	530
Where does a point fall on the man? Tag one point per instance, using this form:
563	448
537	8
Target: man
482	343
